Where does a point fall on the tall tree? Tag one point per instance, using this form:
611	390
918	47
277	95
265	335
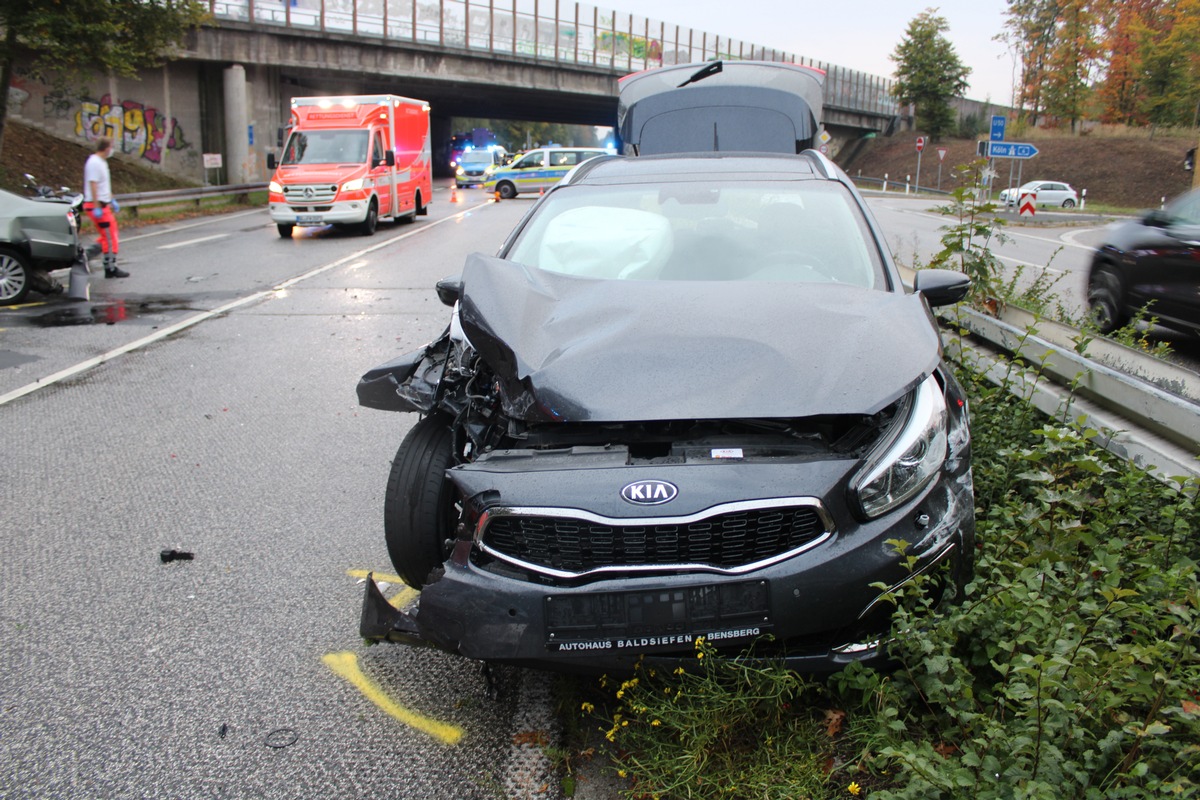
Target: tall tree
929	73
1030	30
66	39
1072	61
1120	92
1172	67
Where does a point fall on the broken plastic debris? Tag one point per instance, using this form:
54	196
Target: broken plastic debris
175	555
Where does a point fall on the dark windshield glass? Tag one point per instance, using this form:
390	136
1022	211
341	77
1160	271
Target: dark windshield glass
326	147
798	231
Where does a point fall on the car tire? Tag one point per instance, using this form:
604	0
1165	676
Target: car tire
368	225
1105	298
418	507
1068	203
507	190
285	230
15	277
422	210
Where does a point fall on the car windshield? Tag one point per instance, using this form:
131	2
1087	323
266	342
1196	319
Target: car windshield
326	147
765	231
476	157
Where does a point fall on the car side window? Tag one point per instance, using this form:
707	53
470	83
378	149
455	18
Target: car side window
1187	209
566	158
377	151
532	160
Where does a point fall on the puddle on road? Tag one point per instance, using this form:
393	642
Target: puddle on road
108	312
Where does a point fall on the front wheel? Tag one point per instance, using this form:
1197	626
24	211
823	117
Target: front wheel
422	210
507	190
15	278
285	230
1105	299
418	507
368	225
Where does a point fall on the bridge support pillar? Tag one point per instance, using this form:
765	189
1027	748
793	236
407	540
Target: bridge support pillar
237	130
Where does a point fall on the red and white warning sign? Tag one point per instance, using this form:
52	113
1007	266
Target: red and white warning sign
920	143
942	153
1026	204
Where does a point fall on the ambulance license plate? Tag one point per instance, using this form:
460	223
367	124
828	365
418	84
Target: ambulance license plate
309	219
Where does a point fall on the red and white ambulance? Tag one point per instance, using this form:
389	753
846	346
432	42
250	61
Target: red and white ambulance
351	161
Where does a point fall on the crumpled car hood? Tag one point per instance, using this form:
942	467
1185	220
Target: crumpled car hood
579	349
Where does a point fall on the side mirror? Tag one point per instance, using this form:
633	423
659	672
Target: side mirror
271	162
1156	218
941	287
449	290
390	158
279	137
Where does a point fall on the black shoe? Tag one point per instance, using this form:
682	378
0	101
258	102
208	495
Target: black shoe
93	250
115	272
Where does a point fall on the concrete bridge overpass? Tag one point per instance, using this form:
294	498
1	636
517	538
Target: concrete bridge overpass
546	60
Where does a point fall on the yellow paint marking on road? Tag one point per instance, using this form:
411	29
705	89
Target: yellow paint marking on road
400	599
345	664
379	576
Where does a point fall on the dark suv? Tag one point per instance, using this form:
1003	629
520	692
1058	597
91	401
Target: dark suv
689	398
1151	262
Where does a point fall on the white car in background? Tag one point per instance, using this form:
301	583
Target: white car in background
1050	194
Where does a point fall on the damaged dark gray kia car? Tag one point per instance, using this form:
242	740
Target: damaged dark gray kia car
689	397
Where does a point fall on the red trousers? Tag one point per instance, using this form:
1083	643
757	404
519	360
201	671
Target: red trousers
110	239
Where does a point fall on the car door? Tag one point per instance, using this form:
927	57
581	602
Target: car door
559	163
381	174
1170	264
531	171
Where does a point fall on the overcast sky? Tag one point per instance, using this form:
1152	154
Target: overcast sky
860	34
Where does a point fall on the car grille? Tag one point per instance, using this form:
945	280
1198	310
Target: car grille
310	193
730	539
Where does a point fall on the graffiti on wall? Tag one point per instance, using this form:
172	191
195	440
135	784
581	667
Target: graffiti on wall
136	129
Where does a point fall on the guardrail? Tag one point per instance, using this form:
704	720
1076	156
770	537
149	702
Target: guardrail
1145	409
195	194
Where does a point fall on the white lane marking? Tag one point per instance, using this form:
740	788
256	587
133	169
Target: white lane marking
193	241
178	228
170	330
1065	238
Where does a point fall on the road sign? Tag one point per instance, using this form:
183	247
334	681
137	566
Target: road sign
942	154
998	123
1011	150
920	143
824	149
1027	204
824	137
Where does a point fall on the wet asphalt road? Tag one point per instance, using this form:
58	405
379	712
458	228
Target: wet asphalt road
238	673
207	406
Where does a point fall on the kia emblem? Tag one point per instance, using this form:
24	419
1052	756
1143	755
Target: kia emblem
649	493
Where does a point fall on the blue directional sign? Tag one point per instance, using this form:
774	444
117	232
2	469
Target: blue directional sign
1011	150
998	123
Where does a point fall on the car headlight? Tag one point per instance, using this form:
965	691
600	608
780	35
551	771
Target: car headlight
903	464
352	186
275	187
489	169
459	171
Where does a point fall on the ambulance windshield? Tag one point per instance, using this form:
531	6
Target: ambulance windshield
326	147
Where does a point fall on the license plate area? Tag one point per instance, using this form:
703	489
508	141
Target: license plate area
309	219
659	619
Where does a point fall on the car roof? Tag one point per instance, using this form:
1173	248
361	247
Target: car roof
680	167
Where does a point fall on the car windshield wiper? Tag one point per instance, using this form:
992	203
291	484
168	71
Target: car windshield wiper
705	72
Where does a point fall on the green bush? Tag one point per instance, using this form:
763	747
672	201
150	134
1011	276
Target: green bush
1068	670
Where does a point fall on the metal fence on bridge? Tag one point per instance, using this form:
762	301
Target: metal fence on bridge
547	30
